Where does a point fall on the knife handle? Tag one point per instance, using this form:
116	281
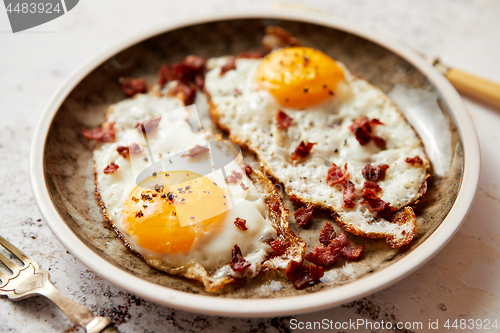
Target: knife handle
474	86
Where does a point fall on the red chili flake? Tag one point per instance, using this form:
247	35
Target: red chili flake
374	173
302	150
102	134
414	160
327	234
348	194
131	86
186	92
324	256
362	129
185	71
278	246
244	187
238	262
370	190
195	151
228	66
123	151
111	168
283	121
301	275
234	177
252	54
303	216
241	223
134	148
336	175
248	169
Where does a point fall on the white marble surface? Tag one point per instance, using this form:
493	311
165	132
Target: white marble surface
461	282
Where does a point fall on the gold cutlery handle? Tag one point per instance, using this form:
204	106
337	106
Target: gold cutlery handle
474	86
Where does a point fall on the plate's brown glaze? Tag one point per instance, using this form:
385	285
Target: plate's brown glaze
68	155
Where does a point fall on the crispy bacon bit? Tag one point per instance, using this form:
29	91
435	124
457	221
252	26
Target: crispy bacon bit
370	190
111	168
362	129
374	173
234	177
352	252
134	148
324	256
303	216
102	134
376	204
238	262
349	194
186	92
122	151
327	234
302	150
248	169
340	241
301	275
336	175
185	71
228	66
131	86
278	246
241	223
414	160
244	187
283	121
277	37
252	54
195	151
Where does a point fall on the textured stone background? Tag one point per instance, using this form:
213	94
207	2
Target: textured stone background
460	282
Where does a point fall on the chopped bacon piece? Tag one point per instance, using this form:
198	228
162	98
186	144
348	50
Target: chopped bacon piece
134	148
324	256
252	54
362	129
238	262
303	216
277	37
199	81
186	92
123	151
349	194
327	234
233	177
352	252
278	246
241	223
302	150
374	173
414	160
150	125
131	86
185	71
302	275
195	151
376	204
370	190
228	66
248	169
102	134
336	175
283	120
242	185
111	168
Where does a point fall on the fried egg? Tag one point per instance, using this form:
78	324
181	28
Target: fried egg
322	101
178	220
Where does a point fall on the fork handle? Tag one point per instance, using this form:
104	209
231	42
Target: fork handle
76	313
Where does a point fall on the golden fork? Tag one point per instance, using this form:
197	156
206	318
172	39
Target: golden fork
29	280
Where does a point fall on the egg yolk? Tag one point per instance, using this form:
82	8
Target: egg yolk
299	77
167	219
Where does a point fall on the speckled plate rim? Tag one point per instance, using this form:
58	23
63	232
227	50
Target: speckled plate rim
274	306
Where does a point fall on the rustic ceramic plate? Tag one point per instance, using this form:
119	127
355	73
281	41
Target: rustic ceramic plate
61	159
